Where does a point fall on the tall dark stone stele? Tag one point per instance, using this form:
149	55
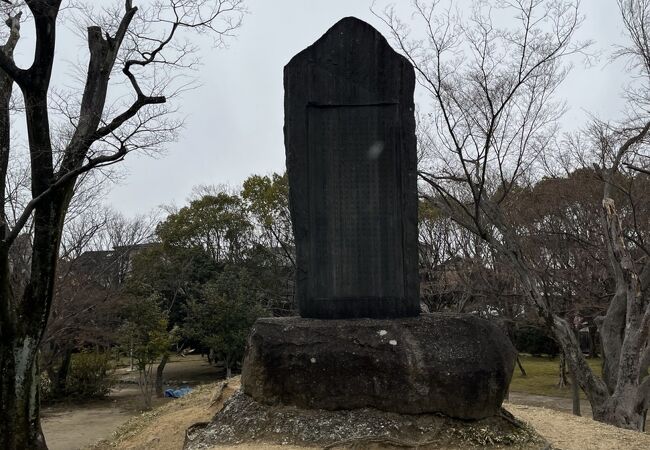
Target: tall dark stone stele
351	159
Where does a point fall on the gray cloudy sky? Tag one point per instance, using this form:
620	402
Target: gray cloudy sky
234	119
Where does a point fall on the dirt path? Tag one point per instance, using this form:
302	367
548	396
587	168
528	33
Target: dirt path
164	428
569	432
71	429
554	403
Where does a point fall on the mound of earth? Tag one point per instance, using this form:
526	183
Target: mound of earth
163	428
245	421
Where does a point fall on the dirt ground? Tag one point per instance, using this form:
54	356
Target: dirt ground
80	426
568	432
556	403
164	428
76	426
73	426
70	429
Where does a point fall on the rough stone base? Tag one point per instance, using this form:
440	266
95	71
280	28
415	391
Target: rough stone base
454	364
245	421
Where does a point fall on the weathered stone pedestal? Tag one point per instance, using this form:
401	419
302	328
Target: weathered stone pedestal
456	365
371	384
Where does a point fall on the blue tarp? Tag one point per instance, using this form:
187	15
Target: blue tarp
177	393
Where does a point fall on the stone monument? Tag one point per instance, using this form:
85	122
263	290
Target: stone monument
360	359
351	161
352	166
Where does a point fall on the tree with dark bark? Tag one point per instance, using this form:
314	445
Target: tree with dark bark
494	118
145	48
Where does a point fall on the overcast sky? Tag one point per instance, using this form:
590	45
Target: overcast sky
235	118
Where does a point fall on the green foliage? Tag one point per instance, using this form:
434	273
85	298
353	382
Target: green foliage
45	384
207	252
535	341
144	335
219	224
174	274
91	375
272	257
145	338
222	318
268	198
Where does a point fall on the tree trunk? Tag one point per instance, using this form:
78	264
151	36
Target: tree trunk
562	382
159	375
144	382
575	393
20	426
593	341
131	356
521	367
620	413
62	373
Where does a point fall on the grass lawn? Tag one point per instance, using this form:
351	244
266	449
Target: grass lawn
543	375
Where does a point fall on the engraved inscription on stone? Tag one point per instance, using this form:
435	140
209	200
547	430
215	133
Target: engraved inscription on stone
355	228
351	161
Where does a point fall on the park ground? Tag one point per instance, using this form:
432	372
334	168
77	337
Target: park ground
117	421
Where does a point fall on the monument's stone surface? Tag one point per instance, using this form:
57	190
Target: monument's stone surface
351	159
457	365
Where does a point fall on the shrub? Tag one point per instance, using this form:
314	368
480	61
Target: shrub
535	341
46	387
222	319
91	375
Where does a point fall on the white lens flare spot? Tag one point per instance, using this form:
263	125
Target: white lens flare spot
382	332
375	150
392	342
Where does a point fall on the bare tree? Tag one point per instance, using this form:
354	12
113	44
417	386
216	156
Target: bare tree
494	114
96	256
142	49
625	327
